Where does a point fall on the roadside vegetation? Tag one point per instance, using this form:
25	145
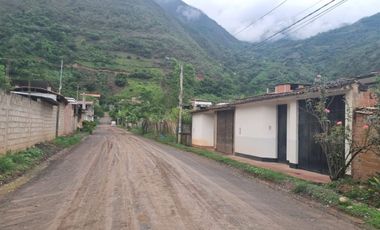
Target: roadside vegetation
15	164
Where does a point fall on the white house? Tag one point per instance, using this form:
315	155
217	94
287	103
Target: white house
277	126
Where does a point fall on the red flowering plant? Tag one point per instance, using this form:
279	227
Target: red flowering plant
335	137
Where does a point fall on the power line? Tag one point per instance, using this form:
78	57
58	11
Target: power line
321	14
298	21
310	7
257	20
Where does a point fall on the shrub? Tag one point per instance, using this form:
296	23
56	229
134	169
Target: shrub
121	80
89	126
6	164
141	75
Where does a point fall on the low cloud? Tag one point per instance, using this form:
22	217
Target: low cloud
235	15
189	13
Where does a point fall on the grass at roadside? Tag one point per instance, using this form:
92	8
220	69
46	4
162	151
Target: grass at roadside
14	164
321	193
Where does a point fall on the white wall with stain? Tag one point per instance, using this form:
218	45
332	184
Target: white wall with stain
256	130
203	129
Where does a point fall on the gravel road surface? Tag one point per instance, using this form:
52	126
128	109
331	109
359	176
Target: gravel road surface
115	180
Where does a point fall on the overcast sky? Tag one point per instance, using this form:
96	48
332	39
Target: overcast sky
234	15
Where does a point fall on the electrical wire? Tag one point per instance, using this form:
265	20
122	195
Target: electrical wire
297	22
321	14
310	7
257	20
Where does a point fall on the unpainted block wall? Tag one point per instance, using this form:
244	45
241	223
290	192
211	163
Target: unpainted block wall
69	120
25	122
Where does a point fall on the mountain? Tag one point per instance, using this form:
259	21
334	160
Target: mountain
213	38
106	35
345	52
349	51
119	46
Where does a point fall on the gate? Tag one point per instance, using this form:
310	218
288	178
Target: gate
225	131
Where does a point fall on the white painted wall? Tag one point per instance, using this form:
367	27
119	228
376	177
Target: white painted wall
256	130
292	133
203	129
351	103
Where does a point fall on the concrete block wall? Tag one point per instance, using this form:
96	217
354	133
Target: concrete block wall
69	123
25	122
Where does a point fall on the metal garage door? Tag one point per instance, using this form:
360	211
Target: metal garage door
311	156
225	131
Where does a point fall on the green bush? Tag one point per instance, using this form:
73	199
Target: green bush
89	126
19	161
141	75
6	164
121	80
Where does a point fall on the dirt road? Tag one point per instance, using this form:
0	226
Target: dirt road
115	180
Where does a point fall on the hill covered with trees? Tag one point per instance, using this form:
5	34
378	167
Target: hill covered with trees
113	46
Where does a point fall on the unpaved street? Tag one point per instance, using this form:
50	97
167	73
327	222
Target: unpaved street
115	180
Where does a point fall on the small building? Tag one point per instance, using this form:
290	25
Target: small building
200	104
88	112
277	126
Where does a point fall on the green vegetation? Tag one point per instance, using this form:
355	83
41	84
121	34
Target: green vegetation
116	41
121	80
64	142
325	194
15	164
367	192
4	81
88	126
19	162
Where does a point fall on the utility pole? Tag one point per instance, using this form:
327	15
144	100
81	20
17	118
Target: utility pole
60	77
77	92
7	70
180	99
58	106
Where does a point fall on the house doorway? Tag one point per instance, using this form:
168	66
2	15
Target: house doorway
282	115
225	131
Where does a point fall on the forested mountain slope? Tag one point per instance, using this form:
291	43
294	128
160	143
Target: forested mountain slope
213	38
123	35
104	42
347	51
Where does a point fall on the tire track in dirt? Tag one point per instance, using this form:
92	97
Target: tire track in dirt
115	180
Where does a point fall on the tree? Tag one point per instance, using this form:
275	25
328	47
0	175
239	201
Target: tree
98	110
4	81
121	80
335	139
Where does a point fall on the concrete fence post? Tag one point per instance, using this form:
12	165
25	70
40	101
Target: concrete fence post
7	121
30	121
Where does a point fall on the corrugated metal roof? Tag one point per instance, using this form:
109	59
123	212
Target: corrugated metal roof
60	98
338	84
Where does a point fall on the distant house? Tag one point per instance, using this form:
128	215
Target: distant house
276	126
87	108
200	104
